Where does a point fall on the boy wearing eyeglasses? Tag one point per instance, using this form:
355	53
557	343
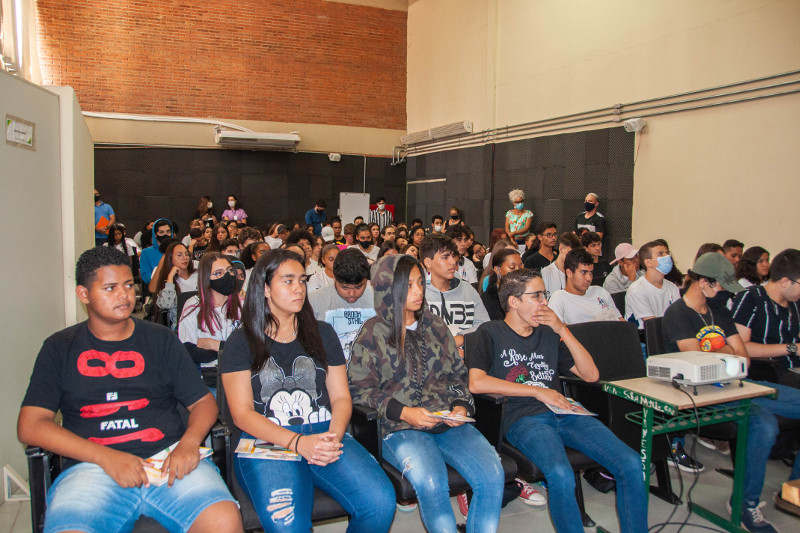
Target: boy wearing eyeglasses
521	357
547	233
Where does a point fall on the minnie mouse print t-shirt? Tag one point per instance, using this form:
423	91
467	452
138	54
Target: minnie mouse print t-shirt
290	390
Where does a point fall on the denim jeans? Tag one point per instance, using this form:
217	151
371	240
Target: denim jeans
542	439
282	492
761	434
421	457
85	498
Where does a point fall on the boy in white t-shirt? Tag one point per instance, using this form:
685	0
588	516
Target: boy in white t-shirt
650	296
580	301
553	274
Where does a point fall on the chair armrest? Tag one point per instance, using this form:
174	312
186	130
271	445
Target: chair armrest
366	429
220	443
368	413
39	479
493	397
489	411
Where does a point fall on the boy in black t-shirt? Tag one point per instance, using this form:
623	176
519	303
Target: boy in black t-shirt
117	382
693	324
521	357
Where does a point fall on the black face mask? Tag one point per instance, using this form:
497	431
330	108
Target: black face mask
365	244
720	299
162	238
96	197
454	217
224	285
588	206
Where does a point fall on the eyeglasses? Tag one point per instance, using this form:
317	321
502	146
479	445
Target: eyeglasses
795	281
219	273
538	295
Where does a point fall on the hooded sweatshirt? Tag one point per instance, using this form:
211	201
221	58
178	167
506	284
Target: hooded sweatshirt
431	374
152	255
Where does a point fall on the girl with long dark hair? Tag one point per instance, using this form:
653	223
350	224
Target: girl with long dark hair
753	267
205	212
209	318
504	261
405	363
174	275
286	383
218	235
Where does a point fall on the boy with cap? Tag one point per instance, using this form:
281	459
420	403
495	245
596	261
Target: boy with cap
626	271
692	324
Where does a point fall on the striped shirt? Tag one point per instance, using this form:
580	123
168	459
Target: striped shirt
382	218
769	323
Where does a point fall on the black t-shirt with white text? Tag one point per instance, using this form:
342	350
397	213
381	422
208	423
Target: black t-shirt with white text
121	394
290	390
536	360
681	322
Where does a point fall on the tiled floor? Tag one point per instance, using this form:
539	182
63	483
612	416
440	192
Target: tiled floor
712	490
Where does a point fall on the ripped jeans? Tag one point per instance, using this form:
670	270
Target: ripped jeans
422	456
282	492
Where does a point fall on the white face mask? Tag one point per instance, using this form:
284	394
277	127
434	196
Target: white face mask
437	228
381	207
231	203
210	205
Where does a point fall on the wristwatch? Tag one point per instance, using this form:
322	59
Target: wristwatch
791	349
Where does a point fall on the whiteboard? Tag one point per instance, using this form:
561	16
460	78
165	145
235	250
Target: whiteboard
353	204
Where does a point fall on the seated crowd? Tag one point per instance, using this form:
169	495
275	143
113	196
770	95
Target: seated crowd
302	321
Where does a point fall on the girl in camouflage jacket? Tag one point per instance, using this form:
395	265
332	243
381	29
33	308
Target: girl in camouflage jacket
406	365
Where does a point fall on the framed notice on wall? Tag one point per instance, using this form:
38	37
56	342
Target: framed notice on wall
20	132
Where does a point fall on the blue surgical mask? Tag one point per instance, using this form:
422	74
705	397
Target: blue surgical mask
519	206
665	264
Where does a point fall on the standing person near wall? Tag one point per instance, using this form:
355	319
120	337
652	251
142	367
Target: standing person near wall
381	216
591	219
317	216
205	212
102	212
456	218
234	211
518	219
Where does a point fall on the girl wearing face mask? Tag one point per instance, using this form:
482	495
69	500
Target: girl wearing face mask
518	219
234	211
211	316
205	212
455	218
175	275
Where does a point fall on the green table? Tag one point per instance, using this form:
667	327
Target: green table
667	410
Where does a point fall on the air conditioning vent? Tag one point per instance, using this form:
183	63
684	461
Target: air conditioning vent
253	140
440	132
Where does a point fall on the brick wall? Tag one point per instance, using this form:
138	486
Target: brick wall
286	61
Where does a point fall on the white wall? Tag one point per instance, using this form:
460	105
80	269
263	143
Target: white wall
704	175
33	274
77	195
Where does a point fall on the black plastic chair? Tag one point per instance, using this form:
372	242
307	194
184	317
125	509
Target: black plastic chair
184	297
44	466
617	353
325	507
367	430
619	301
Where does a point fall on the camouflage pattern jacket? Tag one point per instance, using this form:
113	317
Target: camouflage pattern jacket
431	375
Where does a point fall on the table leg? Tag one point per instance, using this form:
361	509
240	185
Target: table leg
645	446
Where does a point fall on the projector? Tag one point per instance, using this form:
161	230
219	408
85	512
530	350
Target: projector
697	368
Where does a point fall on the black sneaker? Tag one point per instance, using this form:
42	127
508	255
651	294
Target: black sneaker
753	520
681	459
